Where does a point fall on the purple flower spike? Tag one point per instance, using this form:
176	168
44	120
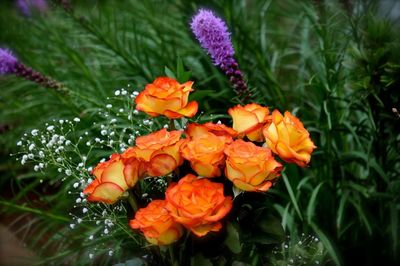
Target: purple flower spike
8	62
10	65
214	37
26	6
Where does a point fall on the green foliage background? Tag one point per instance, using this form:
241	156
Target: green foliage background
335	64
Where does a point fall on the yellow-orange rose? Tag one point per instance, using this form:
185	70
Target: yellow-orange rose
165	96
250	167
110	182
287	137
249	120
205	154
157	224
195	130
198	204
159	150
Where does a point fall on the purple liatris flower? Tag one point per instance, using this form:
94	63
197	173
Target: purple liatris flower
8	62
214	37
26	6
10	65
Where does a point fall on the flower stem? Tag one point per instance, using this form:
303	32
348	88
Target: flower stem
132	201
172	255
171	125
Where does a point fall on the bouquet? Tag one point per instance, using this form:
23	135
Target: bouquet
173	182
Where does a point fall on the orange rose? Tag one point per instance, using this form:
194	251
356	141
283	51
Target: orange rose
165	96
157	224
159	150
197	130
110	182
249	120
205	154
250	167
287	137
198	204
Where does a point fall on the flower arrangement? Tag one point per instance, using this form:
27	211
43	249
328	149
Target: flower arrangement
212	150
177	178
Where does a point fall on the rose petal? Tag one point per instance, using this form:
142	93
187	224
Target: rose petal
106	192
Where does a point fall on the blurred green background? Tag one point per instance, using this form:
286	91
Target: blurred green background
335	64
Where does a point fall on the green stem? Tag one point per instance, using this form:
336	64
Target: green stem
172	255
171	125
132	201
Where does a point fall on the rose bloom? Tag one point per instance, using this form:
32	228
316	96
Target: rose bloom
195	130
165	96
249	167
159	151
198	204
249	120
157	224
205	154
110	182
287	137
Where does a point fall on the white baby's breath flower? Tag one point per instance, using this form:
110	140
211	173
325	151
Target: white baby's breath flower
50	128
34	132
76	119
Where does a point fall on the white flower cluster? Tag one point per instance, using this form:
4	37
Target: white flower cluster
49	146
64	146
308	250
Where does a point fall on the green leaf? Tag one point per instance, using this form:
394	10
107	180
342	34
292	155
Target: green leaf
182	75
327	243
266	229
232	241
200	260
292	196
312	203
169	72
